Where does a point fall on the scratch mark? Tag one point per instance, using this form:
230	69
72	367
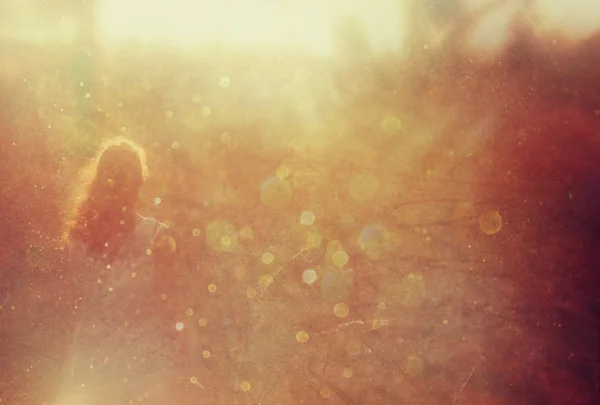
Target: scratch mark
343	325
278	270
464	384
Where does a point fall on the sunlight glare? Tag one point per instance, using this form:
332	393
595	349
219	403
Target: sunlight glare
308	25
492	32
577	18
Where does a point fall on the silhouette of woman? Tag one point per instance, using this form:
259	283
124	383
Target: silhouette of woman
114	257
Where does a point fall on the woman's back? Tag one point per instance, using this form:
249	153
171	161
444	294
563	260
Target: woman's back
118	352
132	271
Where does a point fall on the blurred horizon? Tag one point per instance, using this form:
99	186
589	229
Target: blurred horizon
315	27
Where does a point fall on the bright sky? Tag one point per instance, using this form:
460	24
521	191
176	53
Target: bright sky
306	24
576	18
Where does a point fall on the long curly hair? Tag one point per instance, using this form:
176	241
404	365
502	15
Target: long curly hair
103	211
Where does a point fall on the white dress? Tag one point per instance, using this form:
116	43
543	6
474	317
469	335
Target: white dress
122	351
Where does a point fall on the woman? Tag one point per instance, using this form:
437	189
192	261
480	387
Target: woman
117	260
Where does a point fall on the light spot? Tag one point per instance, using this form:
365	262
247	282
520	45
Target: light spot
225	82
226	241
302	336
123	129
391	124
179	326
381	306
245	386
196	232
197	98
168	114
267	258
275	193
175	145
163	297
265	280
325	392
340	258
189	312
490	222
206	354
157	200
334	246
309	276
133	275
212	288
193	380
251	292
445	322
307	218
148	252
374	240
225	137
282	172
341	309
218	232
206	111
247	233
202	322
166	244
347	372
